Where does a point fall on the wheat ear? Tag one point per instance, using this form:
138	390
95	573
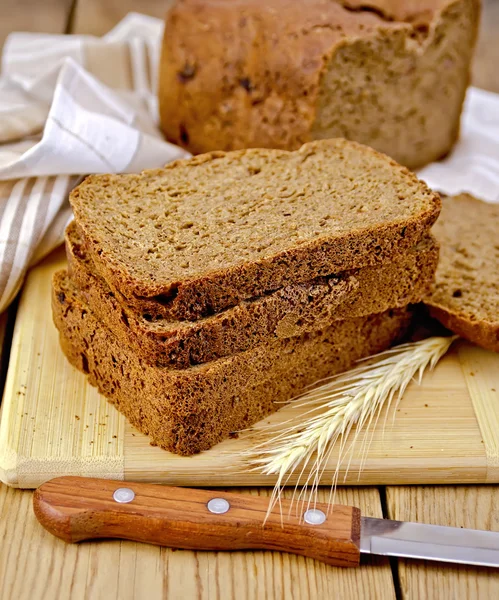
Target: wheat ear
349	402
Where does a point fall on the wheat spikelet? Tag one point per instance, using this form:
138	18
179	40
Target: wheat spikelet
352	400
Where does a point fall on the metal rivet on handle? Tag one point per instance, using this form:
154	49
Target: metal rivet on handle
218	506
314	516
123	495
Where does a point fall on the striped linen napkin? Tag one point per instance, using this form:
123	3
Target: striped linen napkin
71	105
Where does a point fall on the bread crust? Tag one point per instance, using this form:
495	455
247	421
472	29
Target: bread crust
278	73
281	314
383	211
465	298
187	411
483	333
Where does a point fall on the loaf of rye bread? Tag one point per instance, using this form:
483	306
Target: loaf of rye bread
204	234
187	411
287	312
391	74
466	294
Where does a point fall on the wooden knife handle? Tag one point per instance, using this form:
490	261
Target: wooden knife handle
79	508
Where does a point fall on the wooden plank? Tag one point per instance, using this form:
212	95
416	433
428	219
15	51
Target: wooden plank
485	70
50	16
414	450
35	565
485	397
97	17
82	432
55	423
472	507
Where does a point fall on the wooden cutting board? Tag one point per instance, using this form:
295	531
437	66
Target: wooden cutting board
54	423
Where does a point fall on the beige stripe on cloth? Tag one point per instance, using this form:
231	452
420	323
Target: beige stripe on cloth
29	209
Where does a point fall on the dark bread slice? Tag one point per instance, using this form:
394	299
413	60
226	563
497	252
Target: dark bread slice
203	234
466	294
186	411
284	313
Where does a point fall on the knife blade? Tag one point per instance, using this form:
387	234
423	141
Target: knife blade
79	508
429	542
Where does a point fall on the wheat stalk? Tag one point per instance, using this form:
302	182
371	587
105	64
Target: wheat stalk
350	401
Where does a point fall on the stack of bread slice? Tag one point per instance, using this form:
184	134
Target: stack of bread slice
202	295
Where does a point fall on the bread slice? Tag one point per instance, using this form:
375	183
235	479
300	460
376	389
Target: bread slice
203	234
287	312
466	294
391	74
186	411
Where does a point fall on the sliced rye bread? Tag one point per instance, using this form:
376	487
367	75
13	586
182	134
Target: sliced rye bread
201	235
186	411
284	313
466	294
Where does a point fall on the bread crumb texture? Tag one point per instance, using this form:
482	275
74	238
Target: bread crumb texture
203	234
187	411
466	294
287	312
391	74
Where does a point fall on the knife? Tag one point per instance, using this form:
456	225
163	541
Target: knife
80	508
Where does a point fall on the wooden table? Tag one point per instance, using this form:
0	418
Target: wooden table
34	565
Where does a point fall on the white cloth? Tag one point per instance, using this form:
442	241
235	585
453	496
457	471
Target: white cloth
473	165
71	105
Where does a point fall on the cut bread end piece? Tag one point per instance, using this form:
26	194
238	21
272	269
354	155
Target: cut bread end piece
465	298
